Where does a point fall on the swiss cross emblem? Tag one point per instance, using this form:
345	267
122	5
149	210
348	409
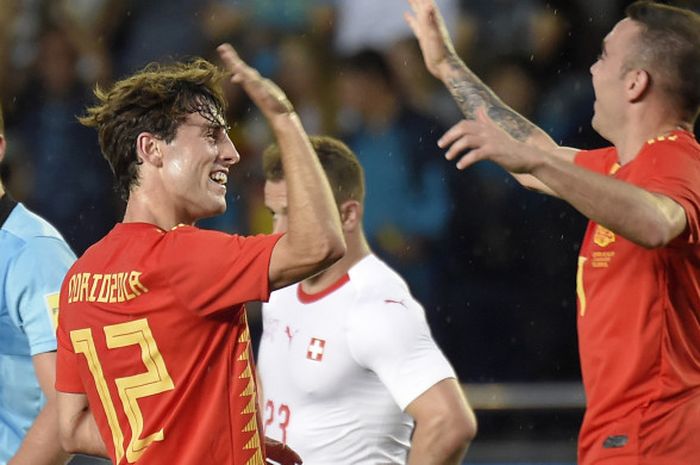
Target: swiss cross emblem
315	350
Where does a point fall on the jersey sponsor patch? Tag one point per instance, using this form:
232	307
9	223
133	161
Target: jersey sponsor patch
51	301
315	350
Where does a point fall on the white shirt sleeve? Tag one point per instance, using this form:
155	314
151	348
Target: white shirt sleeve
390	336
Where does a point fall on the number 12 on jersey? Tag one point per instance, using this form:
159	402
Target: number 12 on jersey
154	381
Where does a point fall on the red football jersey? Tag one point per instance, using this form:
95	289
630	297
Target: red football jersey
153	329
639	320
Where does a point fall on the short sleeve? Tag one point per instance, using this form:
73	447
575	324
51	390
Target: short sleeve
391	337
600	160
33	287
672	169
210	271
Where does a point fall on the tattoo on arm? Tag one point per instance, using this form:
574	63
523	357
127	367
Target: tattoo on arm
470	93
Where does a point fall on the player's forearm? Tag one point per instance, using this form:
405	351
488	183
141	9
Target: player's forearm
470	93
314	223
634	213
81	435
41	445
439	443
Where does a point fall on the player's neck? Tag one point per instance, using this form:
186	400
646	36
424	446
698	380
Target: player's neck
357	249
148	209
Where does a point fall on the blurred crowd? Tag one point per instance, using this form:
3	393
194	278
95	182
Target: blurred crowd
493	264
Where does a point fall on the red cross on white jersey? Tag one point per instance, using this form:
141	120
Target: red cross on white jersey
315	349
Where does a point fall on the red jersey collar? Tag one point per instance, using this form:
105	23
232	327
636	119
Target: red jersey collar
307	298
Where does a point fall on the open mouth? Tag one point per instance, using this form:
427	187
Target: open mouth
219	177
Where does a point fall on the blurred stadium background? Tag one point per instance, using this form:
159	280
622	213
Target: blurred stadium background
492	263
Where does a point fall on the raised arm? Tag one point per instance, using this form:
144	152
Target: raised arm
314	239
645	218
471	93
466	88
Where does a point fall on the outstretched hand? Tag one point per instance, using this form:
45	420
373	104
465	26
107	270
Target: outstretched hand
281	453
429	28
266	95
483	139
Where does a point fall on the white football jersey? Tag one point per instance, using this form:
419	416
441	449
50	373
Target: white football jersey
338	368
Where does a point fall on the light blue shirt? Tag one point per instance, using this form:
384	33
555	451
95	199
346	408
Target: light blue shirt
34	258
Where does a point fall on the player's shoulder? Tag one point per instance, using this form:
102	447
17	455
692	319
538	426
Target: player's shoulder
374	279
30	227
34	239
378	285
678	142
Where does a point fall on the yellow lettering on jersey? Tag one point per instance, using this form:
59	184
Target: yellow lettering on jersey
113	288
127	295
131	388
70	289
135	283
120	287
154	381
84	282
96	278
83	343
105	288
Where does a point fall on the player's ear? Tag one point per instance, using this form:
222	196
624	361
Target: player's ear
351	215
148	149
638	83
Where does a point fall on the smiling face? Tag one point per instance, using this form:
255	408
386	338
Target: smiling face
195	167
608	75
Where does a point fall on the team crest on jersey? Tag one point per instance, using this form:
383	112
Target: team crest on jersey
603	237
315	350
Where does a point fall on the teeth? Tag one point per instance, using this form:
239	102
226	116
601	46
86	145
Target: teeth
219	177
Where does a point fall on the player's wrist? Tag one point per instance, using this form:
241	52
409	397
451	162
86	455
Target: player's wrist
446	68
285	121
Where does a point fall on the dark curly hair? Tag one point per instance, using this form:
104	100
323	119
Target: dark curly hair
156	99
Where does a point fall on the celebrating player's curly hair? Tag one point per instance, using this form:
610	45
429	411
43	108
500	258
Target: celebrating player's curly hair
157	99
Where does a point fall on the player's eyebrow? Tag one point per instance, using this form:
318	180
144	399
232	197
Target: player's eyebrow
214	127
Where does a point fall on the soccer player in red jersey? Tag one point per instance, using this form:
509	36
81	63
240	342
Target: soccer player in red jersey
639	265
154	361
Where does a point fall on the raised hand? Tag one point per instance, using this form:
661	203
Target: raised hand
266	95
429	28
483	139
281	453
